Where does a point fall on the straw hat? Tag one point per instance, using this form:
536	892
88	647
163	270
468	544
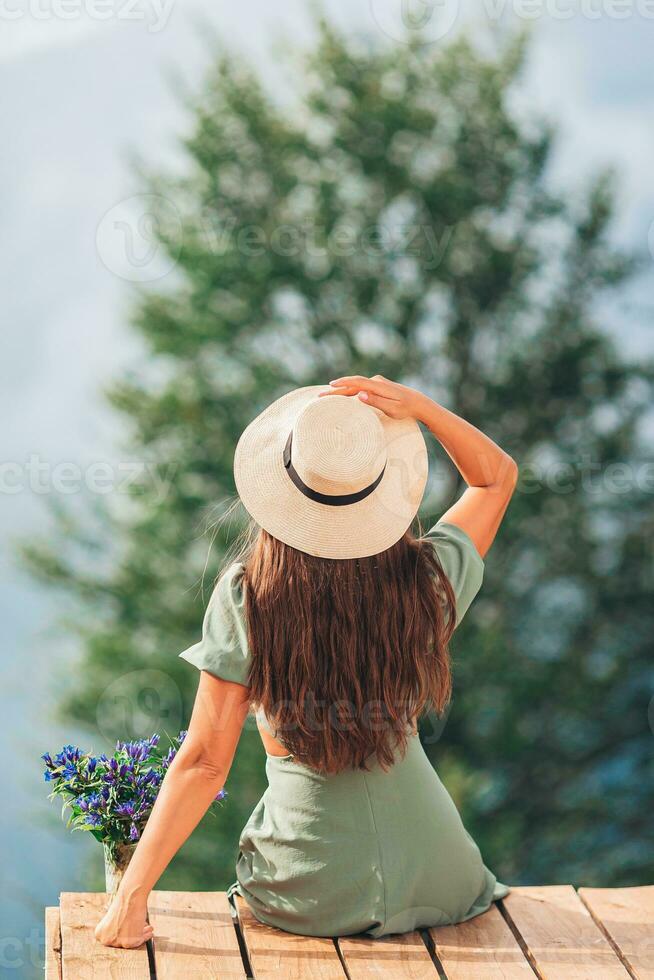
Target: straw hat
332	476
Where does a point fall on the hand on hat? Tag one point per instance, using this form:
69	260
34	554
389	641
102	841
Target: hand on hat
397	401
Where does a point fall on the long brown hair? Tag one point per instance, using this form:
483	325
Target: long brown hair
346	653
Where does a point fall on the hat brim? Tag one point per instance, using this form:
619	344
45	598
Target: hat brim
357	530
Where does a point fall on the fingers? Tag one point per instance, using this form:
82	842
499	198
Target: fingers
358	378
345	390
108	938
360	381
148	933
375	391
386	405
351	384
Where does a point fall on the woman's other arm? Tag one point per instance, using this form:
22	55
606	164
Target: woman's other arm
196	775
491	474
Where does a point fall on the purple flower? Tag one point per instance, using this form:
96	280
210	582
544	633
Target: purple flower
116	771
87	803
69	753
125	809
132	749
151	777
69	771
220	796
134	832
140	749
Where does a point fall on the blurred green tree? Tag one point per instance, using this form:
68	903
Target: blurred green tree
395	217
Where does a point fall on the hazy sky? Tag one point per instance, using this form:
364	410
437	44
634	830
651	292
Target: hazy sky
79	93
82	92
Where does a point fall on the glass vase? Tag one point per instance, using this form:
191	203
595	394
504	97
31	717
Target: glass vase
116	859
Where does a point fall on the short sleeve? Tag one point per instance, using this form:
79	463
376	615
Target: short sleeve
460	561
223	650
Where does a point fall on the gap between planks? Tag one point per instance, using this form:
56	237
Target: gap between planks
273	953
403	956
194	936
561	940
52	953
483	946
626	917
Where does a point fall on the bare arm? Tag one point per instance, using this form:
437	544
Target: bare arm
491	474
197	773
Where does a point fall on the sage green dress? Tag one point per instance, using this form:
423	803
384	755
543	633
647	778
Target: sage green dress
376	852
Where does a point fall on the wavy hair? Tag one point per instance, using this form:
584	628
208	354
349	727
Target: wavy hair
345	654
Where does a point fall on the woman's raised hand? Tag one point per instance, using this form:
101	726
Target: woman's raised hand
397	401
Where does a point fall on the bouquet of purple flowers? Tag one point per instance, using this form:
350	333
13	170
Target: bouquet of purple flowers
111	796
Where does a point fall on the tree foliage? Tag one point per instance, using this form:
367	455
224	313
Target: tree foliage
396	217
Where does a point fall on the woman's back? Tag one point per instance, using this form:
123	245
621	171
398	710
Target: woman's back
355	690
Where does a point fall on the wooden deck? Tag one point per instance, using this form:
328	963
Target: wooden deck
549	931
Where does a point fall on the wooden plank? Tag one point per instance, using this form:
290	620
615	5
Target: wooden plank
562	940
626	915
275	954
194	935
82	956
52	944
397	957
483	946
